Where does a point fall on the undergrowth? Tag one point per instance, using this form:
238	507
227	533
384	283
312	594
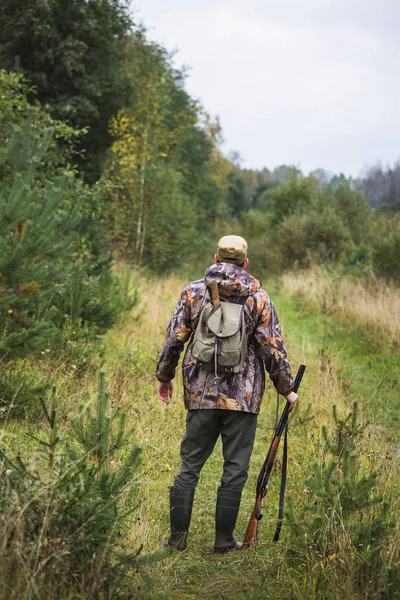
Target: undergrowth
340	537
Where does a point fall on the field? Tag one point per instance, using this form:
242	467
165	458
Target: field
334	377
341	536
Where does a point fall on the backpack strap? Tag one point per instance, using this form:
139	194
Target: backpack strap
202	305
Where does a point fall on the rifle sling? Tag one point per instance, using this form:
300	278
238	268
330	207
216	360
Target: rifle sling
283	486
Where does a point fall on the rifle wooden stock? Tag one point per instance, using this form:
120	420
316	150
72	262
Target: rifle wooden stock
213	287
251	537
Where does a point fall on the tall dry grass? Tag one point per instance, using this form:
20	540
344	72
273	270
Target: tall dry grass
369	303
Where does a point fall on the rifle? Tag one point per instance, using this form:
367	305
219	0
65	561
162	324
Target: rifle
250	537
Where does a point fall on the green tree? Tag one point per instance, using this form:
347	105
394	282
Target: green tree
72	53
66	507
354	211
317	236
37	229
166	193
386	246
238	197
55	264
343	509
295	197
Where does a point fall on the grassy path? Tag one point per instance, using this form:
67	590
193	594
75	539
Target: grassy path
368	365
338	371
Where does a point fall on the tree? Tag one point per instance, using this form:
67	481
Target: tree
238	197
382	187
343	510
55	264
37	234
162	163
295	197
72	54
316	236
65	511
354	211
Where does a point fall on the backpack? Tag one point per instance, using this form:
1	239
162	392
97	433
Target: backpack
220	336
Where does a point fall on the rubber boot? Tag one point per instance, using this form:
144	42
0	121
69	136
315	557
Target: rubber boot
181	504
228	503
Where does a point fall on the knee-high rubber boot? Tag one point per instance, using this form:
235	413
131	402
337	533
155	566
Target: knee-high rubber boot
228	503
181	504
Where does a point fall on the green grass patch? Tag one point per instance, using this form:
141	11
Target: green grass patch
370	365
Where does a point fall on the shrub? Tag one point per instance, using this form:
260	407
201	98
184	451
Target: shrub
386	247
314	237
63	512
343	515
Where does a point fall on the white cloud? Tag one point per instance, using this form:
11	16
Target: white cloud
313	83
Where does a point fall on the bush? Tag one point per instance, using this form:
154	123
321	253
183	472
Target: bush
315	237
64	512
343	517
386	247
55	265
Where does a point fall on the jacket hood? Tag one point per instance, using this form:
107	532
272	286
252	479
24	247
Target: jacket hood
232	280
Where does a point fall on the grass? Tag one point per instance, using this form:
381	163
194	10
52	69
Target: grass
340	369
364	344
371	304
197	573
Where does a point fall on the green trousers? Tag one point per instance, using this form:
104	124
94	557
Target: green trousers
203	428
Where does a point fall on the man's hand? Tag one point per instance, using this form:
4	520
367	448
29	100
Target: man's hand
165	391
292	398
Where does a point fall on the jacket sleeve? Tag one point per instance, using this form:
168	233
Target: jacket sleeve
269	339
178	333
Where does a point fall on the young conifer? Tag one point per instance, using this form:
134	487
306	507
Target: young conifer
36	236
65	512
343	511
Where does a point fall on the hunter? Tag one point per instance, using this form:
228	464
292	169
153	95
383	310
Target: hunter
233	332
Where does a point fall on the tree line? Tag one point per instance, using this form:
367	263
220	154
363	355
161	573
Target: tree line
103	154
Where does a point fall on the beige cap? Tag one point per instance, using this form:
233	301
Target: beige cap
232	248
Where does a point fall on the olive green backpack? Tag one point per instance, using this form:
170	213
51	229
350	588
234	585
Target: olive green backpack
220	336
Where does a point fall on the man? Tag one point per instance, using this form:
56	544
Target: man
221	401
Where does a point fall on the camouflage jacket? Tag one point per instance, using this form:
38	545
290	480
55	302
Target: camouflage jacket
242	391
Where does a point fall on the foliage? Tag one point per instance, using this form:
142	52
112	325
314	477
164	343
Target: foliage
238	197
13	101
294	197
65	512
14	105
308	222
343	511
318	236
386	247
21	386
161	163
352	208
37	233
72	54
382	187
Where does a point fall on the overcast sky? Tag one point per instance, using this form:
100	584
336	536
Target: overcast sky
313	83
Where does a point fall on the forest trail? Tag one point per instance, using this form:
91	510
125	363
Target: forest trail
335	376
